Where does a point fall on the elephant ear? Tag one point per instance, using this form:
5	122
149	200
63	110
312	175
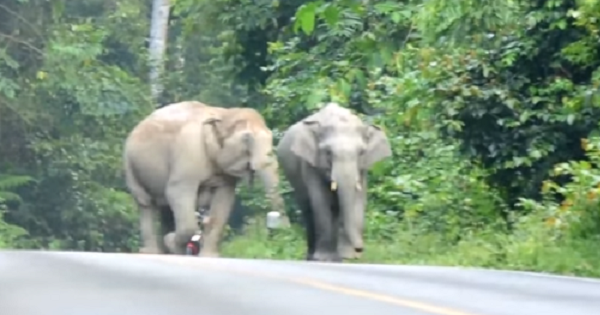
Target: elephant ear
230	143
305	142
224	129
378	146
214	138
217	127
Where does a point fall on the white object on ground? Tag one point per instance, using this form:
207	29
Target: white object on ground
273	220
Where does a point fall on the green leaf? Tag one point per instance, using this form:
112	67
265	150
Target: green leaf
345	87
316	96
9	196
305	18
360	77
331	15
385	7
536	154
13	181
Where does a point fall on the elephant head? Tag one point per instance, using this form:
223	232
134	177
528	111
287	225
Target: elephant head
242	146
236	146
339	144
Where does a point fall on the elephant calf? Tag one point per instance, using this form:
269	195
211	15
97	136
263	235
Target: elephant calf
326	157
187	154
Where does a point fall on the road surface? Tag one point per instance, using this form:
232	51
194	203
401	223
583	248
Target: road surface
71	283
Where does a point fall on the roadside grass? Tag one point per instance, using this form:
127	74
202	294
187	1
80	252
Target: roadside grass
531	251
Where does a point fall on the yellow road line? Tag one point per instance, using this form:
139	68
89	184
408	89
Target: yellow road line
420	306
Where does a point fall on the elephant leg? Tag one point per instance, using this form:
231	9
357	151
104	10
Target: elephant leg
182	197
150	243
323	220
345	249
204	198
309	226
220	210
302	200
166	226
169	241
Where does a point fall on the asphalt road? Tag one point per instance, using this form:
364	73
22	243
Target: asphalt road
70	283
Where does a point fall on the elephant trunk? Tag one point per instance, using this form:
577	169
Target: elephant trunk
250	144
346	181
270	181
264	164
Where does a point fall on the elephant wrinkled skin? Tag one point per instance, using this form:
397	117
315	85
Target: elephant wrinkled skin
326	157
187	154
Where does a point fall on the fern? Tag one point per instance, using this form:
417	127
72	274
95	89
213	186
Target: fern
457	19
9	182
9	196
13	181
10	234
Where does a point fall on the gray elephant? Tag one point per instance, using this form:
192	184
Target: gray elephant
326	157
187	154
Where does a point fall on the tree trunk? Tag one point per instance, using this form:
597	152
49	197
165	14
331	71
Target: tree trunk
159	27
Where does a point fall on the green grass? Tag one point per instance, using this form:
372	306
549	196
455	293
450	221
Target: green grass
528	252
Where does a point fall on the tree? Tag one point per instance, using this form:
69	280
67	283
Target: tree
158	41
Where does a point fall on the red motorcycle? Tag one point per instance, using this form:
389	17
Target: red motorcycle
193	246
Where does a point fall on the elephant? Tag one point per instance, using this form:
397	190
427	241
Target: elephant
326	158
188	154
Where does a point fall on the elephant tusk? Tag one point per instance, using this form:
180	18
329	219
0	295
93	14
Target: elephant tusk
358	183
333	186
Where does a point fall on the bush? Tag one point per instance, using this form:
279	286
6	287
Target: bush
10	235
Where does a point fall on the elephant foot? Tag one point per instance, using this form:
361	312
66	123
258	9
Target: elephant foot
348	252
150	250
325	257
209	254
169	242
353	255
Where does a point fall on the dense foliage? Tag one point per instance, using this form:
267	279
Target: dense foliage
492	109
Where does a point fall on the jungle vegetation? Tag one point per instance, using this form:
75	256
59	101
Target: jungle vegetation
492	109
